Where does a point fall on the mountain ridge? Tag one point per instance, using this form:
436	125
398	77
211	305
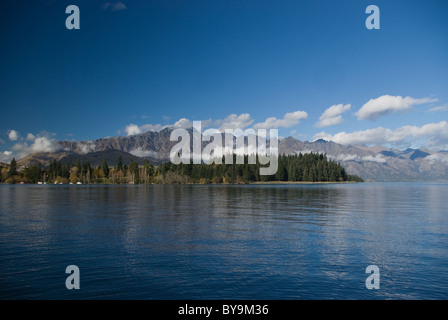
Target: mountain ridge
373	163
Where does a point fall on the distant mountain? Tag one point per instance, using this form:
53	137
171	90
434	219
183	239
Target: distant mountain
94	158
371	163
42	159
418	154
111	156
377	163
390	154
153	145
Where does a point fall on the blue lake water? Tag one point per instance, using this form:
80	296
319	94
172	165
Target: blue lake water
224	242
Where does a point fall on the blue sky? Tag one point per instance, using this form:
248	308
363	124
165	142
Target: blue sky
308	68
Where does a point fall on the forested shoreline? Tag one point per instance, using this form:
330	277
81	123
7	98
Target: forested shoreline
310	167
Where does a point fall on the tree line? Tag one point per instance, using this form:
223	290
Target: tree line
310	167
79	172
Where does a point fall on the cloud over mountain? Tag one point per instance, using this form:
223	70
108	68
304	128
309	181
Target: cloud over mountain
32	143
233	121
333	115
433	135
386	104
288	120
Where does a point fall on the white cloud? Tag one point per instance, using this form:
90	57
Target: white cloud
6	156
86	147
386	104
40	143
13	135
433	136
144	128
114	6
347	156
437	157
353	157
43	142
377	158
439	108
183	123
377	136
289	120
30	137
132	129
344	157
139	152
333	115
234	121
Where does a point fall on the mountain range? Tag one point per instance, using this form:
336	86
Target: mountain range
371	163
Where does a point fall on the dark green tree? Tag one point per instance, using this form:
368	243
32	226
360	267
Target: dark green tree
105	168
12	168
78	164
133	170
32	174
120	163
148	169
282	173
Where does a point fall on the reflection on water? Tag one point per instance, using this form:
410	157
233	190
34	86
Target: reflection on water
224	242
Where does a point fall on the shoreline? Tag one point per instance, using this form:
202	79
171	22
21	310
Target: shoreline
303	182
224	184
190	183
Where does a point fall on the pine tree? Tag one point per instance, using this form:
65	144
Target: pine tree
78	164
105	168
120	163
282	173
133	171
148	170
12	168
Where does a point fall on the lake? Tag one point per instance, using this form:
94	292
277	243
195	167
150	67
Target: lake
224	241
